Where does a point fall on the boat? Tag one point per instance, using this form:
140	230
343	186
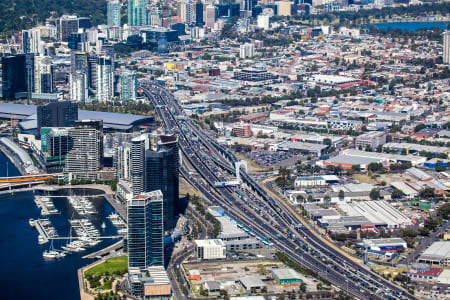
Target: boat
32	222
41	240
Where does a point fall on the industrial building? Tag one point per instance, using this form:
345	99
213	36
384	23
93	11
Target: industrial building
416	148
286	276
387	244
371	139
380	213
254	74
437	254
300	147
210	249
252	283
308	181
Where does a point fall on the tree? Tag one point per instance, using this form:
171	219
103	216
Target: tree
423	231
396	194
374	194
419	127
341	195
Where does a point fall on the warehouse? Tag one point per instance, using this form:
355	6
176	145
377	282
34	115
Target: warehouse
419	174
305	148
388	158
286	276
413	148
346	162
308	181
437	254
388	244
380	213
406	189
252	283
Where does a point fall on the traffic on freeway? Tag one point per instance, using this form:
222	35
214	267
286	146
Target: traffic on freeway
255	209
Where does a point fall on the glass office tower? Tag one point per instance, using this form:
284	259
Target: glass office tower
145	230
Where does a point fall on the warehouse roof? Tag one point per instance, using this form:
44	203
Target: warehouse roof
353	160
251	281
437	250
285	273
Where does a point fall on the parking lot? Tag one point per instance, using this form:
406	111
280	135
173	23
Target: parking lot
269	159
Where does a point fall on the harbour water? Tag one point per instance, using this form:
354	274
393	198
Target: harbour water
24	272
411	26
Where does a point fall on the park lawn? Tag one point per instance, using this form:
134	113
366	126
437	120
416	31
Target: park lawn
111	265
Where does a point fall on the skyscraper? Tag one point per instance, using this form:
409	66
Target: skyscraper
137	12
70	24
78	87
199	14
145	230
105	79
43	75
138	147
128	82
157	168
31	41
86	156
186	12
113	12
162	173
57	114
446	54
17	75
210	16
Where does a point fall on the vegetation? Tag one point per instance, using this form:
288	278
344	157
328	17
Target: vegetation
23	14
112	266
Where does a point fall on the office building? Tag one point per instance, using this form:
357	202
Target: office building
122	163
17	76
78	62
78	87
138	147
446	54
57	114
137	12
254	74
162	173
92	60
263	21
247	50
128	82
31	41
210	249
145	230
186	12
43	75
113	13
210	16
154	17
86	156
67	25
105	79
78	41
157	168
199	14
284	8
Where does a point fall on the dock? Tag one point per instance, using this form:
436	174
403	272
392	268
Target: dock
41	230
106	250
43	207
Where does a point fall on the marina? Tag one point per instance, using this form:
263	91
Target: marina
46	205
45	229
118	223
82	205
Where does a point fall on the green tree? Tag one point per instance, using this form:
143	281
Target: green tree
374	194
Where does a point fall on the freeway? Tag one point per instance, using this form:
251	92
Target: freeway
259	211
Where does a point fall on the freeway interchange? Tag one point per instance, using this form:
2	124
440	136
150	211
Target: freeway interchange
270	220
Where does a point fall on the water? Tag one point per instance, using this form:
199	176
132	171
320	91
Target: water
24	273
411	26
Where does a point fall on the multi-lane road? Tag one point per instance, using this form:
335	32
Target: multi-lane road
270	219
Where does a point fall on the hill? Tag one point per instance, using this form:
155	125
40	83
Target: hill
16	15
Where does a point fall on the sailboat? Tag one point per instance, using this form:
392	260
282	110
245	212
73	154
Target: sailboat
52	253
103	225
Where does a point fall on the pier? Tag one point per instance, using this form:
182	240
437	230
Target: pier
41	230
44	207
105	251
